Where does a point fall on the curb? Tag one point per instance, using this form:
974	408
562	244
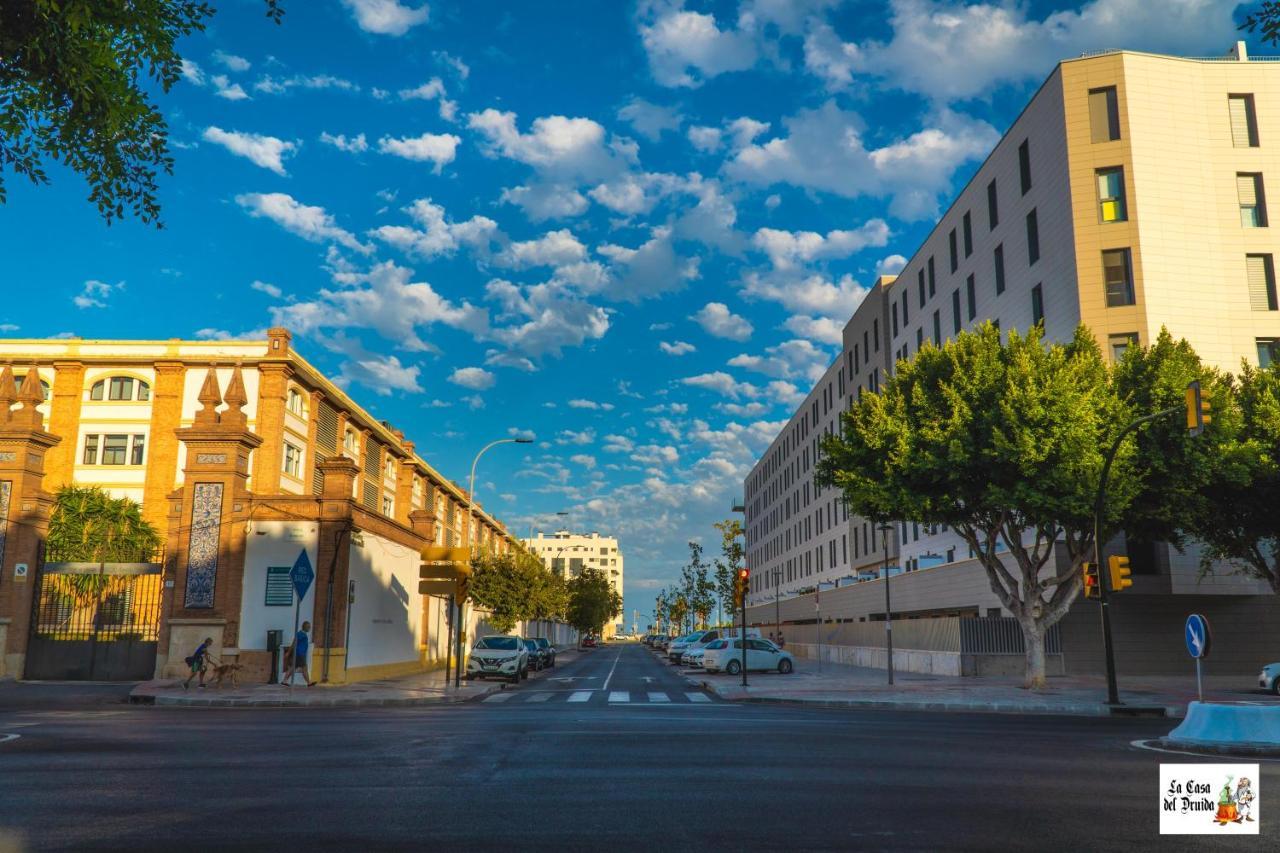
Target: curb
285	702
1075	710
1243	749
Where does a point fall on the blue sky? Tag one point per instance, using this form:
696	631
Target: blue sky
633	230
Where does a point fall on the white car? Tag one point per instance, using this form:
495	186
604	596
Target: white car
726	656
679	644
1270	678
499	656
692	656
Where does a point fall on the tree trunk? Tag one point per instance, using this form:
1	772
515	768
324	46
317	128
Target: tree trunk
1033	643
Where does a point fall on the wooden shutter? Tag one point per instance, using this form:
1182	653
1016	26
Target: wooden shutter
1247	187
373	460
370	497
317	476
326	427
1262	288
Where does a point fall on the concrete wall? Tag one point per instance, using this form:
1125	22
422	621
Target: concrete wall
386	616
274	543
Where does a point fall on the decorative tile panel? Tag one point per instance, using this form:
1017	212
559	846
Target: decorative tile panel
6	487
202	552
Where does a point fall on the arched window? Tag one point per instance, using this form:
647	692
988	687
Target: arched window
120	389
350	441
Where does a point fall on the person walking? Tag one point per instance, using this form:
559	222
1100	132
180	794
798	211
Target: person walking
197	663
301	645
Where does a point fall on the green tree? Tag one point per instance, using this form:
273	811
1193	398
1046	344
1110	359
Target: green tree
74	76
513	587
1238	519
730	560
88	525
1004	443
592	601
1265	20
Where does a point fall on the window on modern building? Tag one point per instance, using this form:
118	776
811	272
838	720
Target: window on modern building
955	255
937	328
1120	343
968	234
933	282
919	338
875	329
293	401
1104	114
920	286
1268	351
1033	237
115	449
993	205
1024	165
999	265
1262	282
955	311
1244	121
905	318
1253	206
971	293
1111	206
895	319
1117	276
1037	305
90	450
292	460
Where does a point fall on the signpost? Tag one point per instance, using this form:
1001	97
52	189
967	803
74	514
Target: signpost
1198	639
302	575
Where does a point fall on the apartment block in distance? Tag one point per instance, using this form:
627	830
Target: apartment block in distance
249	461
1130	195
567	554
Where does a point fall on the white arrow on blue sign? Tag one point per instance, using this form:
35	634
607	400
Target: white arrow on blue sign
302	574
1197	635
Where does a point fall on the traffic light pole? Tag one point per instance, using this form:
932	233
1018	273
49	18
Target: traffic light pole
1113	692
744	636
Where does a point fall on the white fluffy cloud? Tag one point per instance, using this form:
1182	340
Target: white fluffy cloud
716	319
676	347
555	249
265	151
547	201
890	264
650	120
721	383
652	269
439	149
685	48
705	139
267	288
354	145
475	378
282	85
231	61
433	90
823	150
793	359
222	85
307	221
823	329
812	293
591	405
558	147
435	234
387	17
95	293
788	249
543	319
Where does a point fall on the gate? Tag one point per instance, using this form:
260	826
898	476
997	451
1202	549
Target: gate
95	621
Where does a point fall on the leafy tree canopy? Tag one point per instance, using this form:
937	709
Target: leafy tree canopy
89	525
592	601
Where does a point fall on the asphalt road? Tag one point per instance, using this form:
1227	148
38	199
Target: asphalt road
543	770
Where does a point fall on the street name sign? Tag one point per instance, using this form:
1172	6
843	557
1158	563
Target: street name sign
302	574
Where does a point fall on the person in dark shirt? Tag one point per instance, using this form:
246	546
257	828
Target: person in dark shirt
301	645
198	663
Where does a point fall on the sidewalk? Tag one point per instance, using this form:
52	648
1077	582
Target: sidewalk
427	688
844	686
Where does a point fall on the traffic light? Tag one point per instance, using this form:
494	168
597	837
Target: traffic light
1091	588
1118	565
1197	409
741	584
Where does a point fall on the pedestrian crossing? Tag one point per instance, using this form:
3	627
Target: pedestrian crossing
610	697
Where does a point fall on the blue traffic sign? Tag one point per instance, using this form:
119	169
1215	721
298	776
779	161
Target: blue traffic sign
1197	636
302	574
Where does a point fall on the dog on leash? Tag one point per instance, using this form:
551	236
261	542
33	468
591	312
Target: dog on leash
227	671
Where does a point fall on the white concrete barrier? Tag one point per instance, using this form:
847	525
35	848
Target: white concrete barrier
1250	727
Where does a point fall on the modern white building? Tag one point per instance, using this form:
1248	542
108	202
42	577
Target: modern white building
1129	195
568	554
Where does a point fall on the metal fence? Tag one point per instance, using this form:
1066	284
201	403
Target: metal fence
981	636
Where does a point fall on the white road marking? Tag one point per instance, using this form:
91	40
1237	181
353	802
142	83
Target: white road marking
619	696
7	738
499	697
697	697
580	696
611	669
538	697
659	697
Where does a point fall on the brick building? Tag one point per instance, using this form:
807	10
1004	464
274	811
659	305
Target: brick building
247	459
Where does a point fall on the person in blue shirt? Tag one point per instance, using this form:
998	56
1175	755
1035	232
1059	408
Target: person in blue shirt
301	645
198	662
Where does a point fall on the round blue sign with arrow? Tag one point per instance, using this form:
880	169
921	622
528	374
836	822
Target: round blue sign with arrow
1197	636
302	574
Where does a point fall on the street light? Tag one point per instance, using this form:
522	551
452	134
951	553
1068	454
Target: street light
471	534
888	608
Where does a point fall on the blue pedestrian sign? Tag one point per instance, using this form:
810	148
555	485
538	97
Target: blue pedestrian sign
1197	636
302	574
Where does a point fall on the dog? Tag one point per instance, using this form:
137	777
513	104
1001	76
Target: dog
226	671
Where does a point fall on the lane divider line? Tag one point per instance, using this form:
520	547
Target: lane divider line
611	669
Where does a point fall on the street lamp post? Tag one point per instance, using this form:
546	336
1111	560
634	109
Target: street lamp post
474	543
888	607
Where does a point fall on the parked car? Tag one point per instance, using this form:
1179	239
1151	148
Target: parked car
709	637
679	644
548	651
588	642
761	655
1270	678
536	659
499	656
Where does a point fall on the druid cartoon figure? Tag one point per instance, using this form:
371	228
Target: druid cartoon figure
1244	799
